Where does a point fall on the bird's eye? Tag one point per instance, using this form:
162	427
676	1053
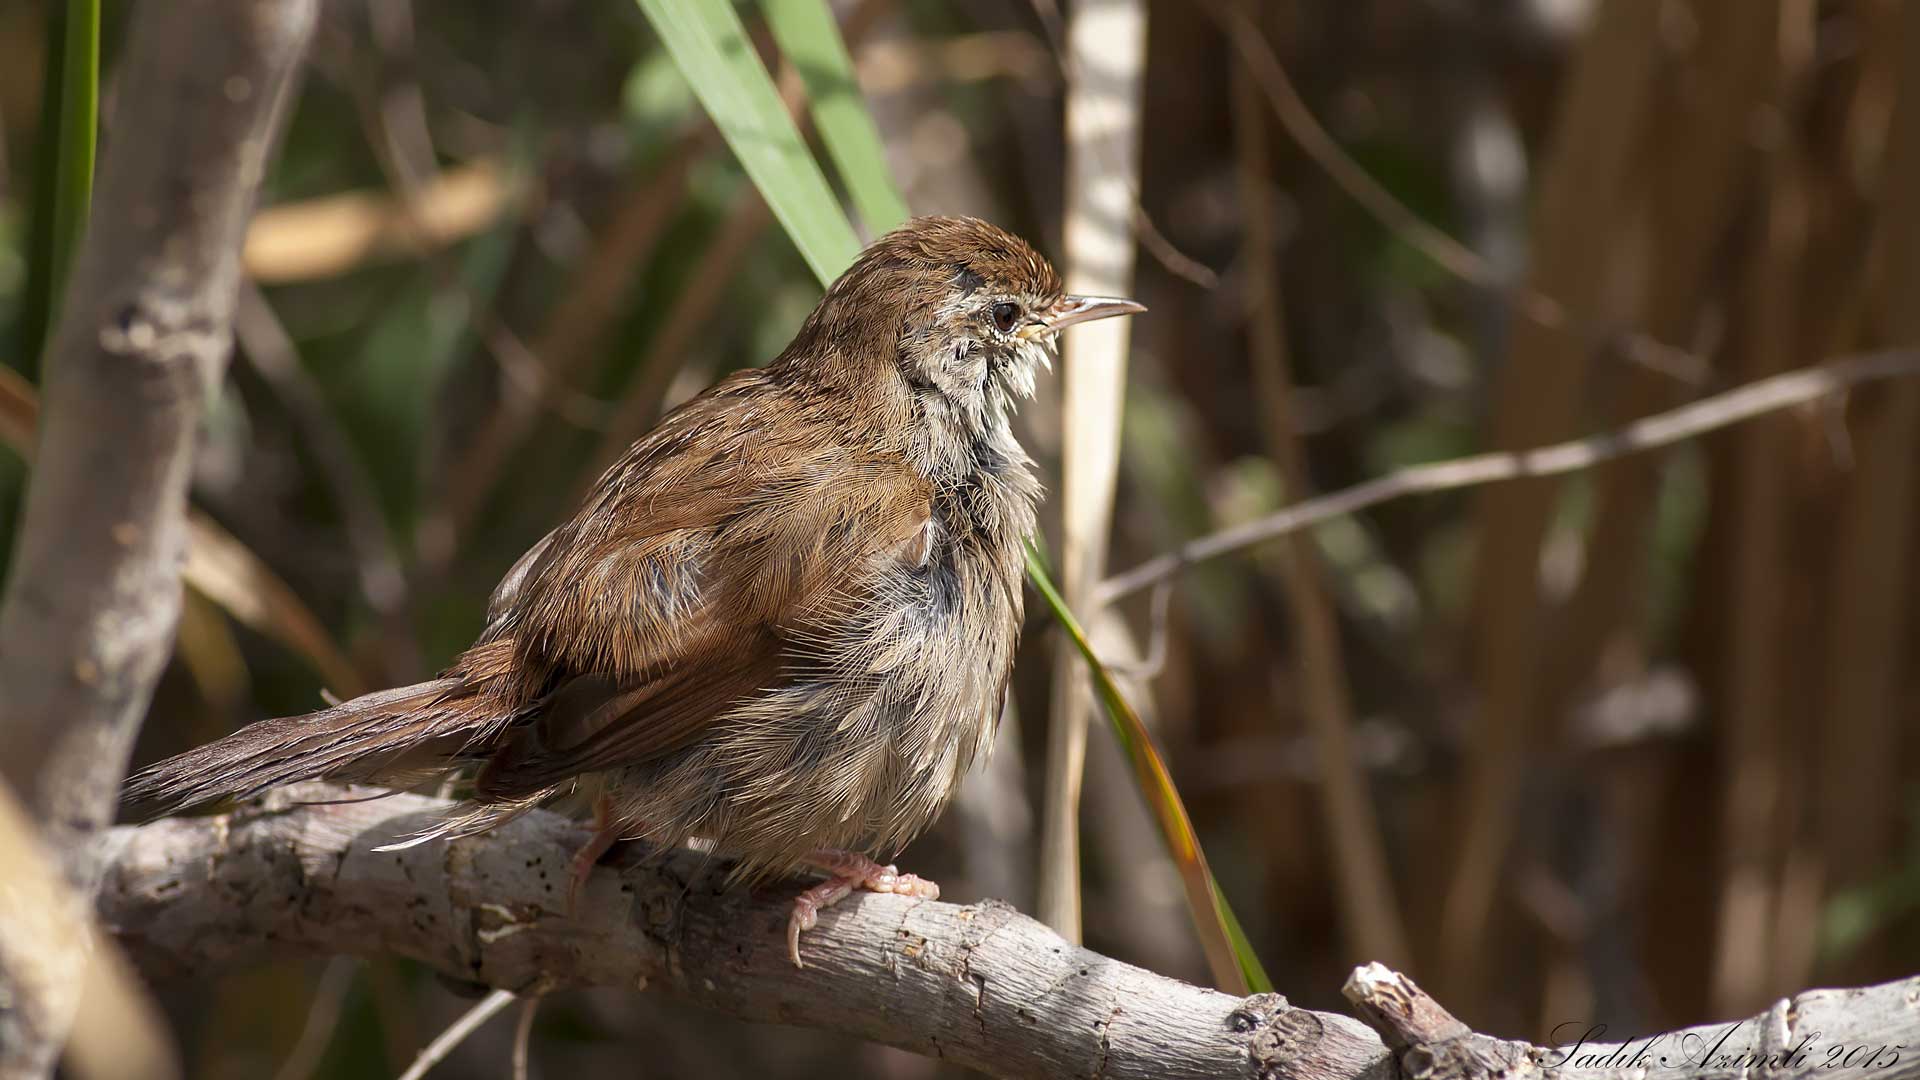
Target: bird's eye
1005	315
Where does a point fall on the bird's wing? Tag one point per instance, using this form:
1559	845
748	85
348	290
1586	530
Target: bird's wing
738	529
500	606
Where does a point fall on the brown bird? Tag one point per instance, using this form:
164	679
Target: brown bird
782	623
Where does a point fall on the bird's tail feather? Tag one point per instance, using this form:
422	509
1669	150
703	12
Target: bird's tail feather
395	736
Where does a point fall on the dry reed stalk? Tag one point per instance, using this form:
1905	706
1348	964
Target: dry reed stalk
1363	883
1103	149
1579	216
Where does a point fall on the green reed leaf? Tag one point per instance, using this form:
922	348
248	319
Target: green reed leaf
1231	957
710	46
810	39
63	182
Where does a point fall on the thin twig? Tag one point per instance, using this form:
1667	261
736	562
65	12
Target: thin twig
1362	882
530	378
407	138
523	1036
673	344
457	1032
435	540
323	1016
397	131
270	350
1172	259
219	567
1146	231
574	328
1443	250
1148	667
1801	387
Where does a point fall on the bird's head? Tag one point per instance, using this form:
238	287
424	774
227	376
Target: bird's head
958	313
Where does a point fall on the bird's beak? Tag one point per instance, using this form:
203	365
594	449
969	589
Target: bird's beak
1079	309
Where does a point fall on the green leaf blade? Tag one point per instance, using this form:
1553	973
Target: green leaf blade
63	171
710	46
1235	966
79	132
810	39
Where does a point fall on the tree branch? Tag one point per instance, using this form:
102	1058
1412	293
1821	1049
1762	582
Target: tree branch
94	590
1865	1032
980	985
1800	387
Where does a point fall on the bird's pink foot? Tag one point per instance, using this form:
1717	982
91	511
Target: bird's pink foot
605	834
848	871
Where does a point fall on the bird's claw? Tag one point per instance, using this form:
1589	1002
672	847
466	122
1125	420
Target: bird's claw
891	880
805	916
850	872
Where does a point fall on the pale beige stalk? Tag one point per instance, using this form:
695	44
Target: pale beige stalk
1103	145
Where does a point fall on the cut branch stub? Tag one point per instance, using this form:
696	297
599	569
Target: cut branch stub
1430	1042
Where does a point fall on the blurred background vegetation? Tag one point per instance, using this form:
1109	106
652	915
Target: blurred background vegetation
1640	744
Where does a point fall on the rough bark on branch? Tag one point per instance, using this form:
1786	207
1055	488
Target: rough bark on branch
94	590
1854	1033
979	984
